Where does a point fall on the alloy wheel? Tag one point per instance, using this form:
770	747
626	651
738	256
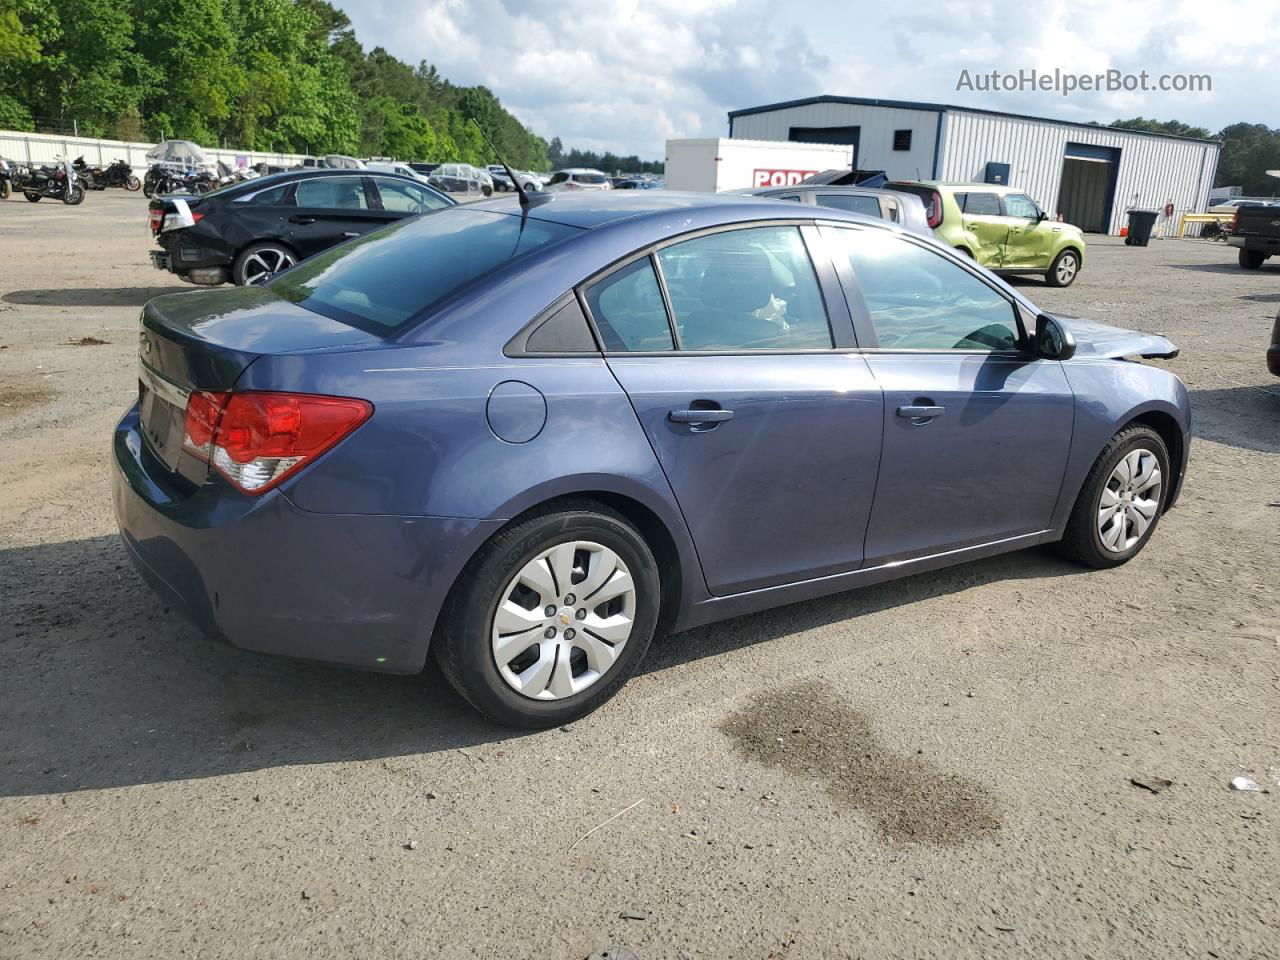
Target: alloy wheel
262	265
1129	501
1066	269
563	620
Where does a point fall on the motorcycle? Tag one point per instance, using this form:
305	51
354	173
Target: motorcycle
6	174
119	174
57	181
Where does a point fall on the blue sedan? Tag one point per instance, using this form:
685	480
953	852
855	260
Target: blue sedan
529	438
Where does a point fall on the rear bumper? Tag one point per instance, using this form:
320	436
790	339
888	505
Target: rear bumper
210	269
264	575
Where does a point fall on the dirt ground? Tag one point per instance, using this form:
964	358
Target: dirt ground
937	767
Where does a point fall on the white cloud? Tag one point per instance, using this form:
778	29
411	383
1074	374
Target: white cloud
626	75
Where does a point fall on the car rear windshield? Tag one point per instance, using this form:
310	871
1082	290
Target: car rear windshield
385	279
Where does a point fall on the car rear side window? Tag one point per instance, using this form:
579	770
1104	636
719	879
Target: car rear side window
272	196
332	193
750	289
851	202
920	300
387	278
628	309
980	204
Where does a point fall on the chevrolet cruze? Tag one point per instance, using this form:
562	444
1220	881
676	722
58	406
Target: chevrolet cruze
526	439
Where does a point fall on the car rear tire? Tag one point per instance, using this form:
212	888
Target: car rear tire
1121	501
551	617
259	262
1063	270
1252	259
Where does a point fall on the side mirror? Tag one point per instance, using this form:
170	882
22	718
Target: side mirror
1053	341
1041	215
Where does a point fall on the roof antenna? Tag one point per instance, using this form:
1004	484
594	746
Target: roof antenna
525	200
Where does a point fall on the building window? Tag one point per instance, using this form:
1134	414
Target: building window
902	139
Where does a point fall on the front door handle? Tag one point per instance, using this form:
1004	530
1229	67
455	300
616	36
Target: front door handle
302	220
700	416
350	233
921	412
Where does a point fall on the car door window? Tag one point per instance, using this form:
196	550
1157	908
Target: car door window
981	204
400	197
628	309
332	193
790	196
752	289
851	202
920	300
1020	205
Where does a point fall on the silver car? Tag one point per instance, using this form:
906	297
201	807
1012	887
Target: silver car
898	207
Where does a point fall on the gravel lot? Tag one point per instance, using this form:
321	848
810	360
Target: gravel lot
938	767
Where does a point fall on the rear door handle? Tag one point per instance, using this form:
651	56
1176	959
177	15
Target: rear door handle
303	220
699	416
921	413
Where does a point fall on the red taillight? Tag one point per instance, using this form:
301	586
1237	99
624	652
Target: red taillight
157	219
196	216
256	439
203	410
1235	220
935	209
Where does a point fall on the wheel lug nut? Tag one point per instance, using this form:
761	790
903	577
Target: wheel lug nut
549	632
581	614
570	633
568	599
550	610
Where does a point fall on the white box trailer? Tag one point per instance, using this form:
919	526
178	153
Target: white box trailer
709	166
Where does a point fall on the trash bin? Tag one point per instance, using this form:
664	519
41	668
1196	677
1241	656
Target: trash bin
1140	224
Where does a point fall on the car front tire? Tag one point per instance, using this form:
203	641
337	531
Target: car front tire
1064	269
551	617
1121	500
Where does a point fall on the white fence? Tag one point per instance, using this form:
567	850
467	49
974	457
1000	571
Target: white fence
46	147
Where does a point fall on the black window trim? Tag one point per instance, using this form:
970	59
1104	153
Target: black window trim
839	322
862	315
517	346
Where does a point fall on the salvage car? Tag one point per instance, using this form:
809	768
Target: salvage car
526	438
896	206
579	178
1000	227
1255	231
247	232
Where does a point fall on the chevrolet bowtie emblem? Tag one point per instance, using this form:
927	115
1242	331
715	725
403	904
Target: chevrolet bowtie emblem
564	618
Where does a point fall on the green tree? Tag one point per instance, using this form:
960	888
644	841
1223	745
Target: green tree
1249	150
1172	127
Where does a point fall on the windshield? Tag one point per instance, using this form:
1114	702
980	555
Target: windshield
385	279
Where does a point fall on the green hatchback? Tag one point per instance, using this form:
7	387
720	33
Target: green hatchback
1000	227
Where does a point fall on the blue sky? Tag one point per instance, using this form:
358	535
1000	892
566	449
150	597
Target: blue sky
625	76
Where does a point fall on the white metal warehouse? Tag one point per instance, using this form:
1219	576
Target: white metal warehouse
1089	174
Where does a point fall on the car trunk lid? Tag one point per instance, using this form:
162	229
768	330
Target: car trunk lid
204	341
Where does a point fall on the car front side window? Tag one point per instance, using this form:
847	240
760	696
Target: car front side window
742	290
1022	206
919	300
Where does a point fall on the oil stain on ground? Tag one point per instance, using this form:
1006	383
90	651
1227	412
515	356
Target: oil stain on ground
809	732
15	398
